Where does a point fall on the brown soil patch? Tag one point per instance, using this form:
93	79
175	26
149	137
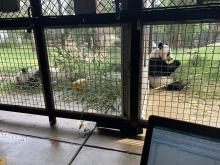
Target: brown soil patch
181	105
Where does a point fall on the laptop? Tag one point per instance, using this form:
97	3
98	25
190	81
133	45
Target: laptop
173	142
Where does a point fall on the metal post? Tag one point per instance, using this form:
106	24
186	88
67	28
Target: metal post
43	61
135	7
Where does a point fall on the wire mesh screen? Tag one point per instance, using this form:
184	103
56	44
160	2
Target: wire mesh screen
71	7
177	3
85	68
19	81
180	77
23	12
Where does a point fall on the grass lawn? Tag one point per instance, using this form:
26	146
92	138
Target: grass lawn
12	59
200	69
200	66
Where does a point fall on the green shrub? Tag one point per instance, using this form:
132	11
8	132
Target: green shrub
103	89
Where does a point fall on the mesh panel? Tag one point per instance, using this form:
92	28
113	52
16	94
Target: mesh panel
19	84
105	6
23	12
66	7
176	3
197	47
86	69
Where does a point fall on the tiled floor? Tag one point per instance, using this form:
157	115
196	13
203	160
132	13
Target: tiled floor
21	150
28	139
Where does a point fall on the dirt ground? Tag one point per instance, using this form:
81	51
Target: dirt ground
180	105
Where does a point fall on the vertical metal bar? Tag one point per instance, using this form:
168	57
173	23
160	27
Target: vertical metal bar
150	37
125	52
43	61
126	58
135	8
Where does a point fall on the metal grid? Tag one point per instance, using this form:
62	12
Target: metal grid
197	47
66	7
18	61
177	3
105	6
23	12
85	68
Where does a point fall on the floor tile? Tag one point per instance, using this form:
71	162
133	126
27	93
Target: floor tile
114	140
35	125
23	150
94	156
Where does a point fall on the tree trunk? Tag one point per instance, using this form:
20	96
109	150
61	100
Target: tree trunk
213	32
176	36
62	34
89	8
32	42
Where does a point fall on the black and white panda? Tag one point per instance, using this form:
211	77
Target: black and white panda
161	66
32	76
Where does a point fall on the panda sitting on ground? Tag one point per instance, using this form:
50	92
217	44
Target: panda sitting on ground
161	66
31	76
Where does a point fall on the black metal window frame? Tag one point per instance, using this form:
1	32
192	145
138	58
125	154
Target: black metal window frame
133	19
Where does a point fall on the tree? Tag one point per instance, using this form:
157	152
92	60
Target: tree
62	34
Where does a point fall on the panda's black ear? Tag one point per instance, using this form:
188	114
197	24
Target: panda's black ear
160	45
24	70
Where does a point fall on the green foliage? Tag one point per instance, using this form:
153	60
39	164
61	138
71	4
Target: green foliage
103	81
83	36
188	33
7	86
69	61
102	93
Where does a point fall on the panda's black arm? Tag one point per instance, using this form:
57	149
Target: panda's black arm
158	67
173	66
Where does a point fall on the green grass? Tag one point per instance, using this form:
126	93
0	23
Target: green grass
12	59
101	93
200	69
69	61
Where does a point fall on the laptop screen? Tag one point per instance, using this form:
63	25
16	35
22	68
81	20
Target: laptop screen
170	147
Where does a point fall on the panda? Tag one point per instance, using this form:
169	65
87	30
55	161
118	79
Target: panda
161	66
31	76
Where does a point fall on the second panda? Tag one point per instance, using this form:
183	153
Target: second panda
32	76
